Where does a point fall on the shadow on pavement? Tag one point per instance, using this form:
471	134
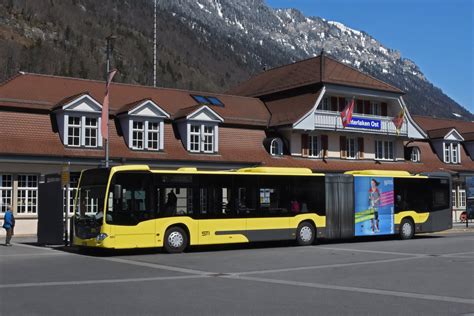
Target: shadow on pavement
213	248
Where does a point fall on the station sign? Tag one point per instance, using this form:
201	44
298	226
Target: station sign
366	123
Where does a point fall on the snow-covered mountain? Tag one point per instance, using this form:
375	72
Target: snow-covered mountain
266	37
209	45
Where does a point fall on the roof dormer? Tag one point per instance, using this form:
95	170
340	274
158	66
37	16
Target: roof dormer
199	128
142	125
447	144
78	120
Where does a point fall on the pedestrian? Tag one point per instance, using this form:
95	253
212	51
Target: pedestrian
8	224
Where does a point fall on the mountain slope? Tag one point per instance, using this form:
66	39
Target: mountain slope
203	44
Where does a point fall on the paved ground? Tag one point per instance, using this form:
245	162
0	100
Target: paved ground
430	275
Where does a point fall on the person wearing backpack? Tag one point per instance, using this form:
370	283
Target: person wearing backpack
8	224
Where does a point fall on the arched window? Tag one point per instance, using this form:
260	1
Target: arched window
415	154
276	147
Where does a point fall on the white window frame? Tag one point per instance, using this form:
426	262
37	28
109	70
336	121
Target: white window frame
388	150
202	133
351	148
375	108
452	152
146	131
82	127
6	192
276	147
74	126
454	198
314	147
194	138
415	154
153	135
138	130
29	205
325	104
207	138
91	128
461	199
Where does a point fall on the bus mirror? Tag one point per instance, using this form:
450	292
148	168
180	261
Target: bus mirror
117	191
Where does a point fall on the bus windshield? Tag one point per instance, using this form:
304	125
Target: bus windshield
89	205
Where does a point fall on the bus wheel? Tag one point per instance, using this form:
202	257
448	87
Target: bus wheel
407	229
176	240
305	234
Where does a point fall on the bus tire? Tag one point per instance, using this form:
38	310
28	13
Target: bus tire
305	234
176	240
407	229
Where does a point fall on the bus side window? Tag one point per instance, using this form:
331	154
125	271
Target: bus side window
135	204
215	196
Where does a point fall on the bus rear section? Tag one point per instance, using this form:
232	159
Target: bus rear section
372	203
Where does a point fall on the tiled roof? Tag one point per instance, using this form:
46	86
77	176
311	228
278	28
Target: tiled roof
33	91
431	162
31	134
288	110
130	106
440	132
186	111
468	137
431	124
308	72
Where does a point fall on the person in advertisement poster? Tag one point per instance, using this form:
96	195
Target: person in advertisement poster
374	206
374	202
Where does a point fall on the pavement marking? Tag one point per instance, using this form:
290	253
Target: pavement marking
430	297
94	282
35	247
158	266
336	265
372	251
32	254
459	254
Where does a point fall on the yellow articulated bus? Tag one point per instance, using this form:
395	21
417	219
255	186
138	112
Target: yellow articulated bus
136	207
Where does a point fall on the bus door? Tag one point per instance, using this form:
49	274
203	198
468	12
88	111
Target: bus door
269	216
219	219
340	214
132	217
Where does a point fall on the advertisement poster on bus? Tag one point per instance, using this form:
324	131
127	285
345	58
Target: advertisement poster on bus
374	200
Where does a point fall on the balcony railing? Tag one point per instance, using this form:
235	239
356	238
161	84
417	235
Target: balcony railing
360	122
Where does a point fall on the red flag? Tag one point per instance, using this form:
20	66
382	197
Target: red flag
346	114
398	120
104	127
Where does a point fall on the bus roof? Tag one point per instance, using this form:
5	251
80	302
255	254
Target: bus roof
383	173
269	171
247	171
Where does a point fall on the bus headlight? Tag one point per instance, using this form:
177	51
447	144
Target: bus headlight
101	237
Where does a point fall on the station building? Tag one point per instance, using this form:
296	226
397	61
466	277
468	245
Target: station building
287	116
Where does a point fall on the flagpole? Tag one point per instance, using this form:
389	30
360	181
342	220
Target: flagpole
109	39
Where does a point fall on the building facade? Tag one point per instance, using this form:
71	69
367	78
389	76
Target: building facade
288	116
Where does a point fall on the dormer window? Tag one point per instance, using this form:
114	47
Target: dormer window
415	155
451	152
74	131
82	131
276	147
199	129
142	125
201	138
78	120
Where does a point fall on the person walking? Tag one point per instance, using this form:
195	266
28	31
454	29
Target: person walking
8	224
